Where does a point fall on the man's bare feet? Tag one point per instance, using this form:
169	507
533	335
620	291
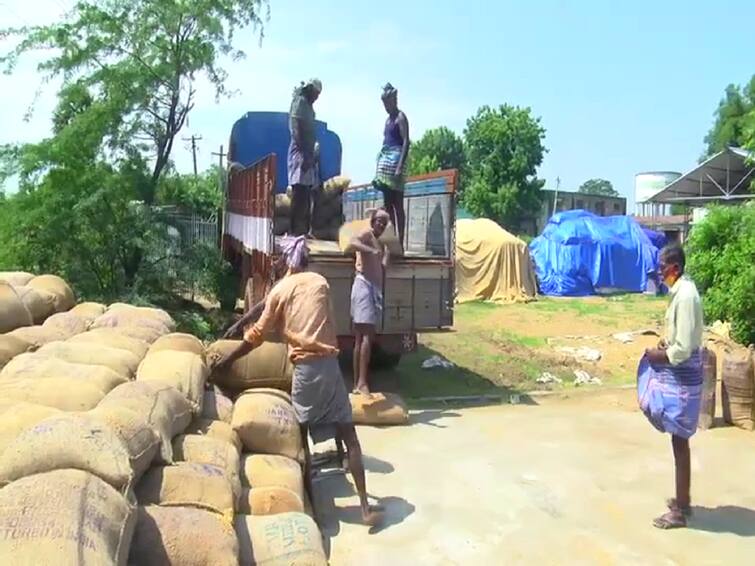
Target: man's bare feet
674	519
362	389
373	516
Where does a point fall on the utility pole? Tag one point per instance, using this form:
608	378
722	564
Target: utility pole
223	185
194	139
555	197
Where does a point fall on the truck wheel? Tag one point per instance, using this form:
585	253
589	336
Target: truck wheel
382	360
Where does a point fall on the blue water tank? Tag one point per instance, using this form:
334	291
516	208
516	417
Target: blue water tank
257	134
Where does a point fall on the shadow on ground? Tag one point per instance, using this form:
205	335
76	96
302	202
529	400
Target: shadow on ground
724	519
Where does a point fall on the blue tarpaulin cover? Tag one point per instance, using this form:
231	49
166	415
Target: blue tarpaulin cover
579	253
658	239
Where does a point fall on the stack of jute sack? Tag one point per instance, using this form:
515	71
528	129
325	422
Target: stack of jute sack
271	524
735	368
327	209
28	301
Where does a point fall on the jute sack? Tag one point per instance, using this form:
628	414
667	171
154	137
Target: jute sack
165	409
64	393
145	312
267	424
283	395
122	362
140	439
64	297
75	441
178	342
34	366
130	318
16	417
378	409
38	336
215	429
708	401
66	323
65	517
738	387
269	501
205	450
188	485
13	313
182	536
113	338
183	370
10	347
351	229
16	278
267	470
336	184
266	366
40	304
289	539
147	334
215	405
88	311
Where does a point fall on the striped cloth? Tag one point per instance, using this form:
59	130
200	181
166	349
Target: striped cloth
670	396
387	162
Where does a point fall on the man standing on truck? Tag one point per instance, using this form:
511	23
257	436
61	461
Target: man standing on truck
367	293
299	306
302	170
389	177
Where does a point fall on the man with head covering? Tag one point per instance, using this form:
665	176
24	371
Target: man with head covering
391	161
299	308
670	379
367	293
302	169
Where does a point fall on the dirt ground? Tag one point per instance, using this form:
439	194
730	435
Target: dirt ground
505	348
573	481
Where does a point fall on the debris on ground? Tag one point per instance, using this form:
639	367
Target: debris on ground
547	378
437	362
584	378
582	354
720	328
624	337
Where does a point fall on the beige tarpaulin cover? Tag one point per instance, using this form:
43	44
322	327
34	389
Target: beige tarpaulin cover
491	264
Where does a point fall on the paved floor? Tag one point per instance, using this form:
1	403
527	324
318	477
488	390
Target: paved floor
573	481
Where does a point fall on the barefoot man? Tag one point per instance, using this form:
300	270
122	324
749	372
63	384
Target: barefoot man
670	379
299	307
367	294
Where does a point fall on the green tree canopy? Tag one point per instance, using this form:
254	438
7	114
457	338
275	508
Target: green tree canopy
734	120
598	187
438	149
505	147
129	75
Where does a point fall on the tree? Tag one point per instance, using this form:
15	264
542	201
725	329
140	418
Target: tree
734	120
438	149
129	72
505	147
720	252
598	187
201	194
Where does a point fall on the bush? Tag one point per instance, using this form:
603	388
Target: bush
721	260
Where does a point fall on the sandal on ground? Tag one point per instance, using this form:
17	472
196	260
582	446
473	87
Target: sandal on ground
674	519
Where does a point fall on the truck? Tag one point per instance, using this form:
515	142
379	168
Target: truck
418	291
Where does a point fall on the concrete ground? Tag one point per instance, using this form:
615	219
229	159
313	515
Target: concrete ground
573	481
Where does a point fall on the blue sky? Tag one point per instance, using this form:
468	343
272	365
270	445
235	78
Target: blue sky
621	87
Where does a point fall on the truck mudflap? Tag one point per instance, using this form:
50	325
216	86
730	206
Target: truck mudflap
389	343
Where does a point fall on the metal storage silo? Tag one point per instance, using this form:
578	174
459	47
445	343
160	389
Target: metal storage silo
649	184
257	134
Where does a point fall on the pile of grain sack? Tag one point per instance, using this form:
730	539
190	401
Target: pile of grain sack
118	448
733	366
327	210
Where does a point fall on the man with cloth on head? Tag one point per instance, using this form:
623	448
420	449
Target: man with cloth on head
299	307
670	379
367	293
